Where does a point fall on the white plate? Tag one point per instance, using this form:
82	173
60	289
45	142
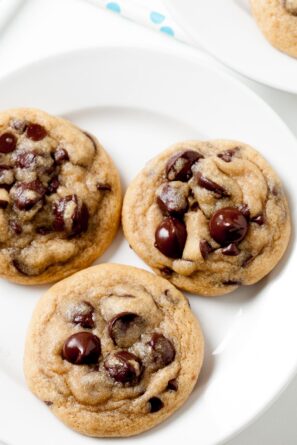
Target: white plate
227	30
138	102
7	9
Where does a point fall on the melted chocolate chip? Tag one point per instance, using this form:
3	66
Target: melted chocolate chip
36	132
53	185
43	230
48	403
61	155
162	351
3	204
125	328
24	199
172	385
258	220
82	348
166	271
123	367
15	227
85	317
228	225
18	125
227	155
7	142
211	186
155	404
205	248
231	250
25	159
243	208
194	206
232	283
170	237
103	187
69	216
171	200
179	167
247	260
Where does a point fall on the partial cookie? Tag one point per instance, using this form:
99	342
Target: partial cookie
113	350
278	21
208	216
60	197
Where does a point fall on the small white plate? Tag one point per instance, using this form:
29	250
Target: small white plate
227	30
7	9
138	102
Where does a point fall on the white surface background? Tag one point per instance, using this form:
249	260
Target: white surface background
45	27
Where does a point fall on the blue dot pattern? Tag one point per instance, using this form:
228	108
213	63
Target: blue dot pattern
167	30
114	7
156	17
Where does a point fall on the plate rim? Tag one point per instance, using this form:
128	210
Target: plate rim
188	29
197	59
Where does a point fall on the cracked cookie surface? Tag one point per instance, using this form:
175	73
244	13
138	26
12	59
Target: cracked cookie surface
113	350
60	197
278	21
208	216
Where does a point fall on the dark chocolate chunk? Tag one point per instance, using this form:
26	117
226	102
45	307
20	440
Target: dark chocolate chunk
172	385
162	351
77	220
123	367
18	125
211	186
3	204
24	199
205	248
179	166
44	230
258	220
103	187
155	404
232	283
125	328
228	225
82	348
15	227
25	159
247	260
53	185
243	208
8	142
170	237
171	200
85	317
231	250
61	155
36	132
227	155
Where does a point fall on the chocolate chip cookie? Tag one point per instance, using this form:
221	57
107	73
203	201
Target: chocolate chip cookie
208	216
113	350
60	197
278	21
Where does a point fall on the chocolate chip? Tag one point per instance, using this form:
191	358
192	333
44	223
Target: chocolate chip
85	316
155	404
53	185
36	132
231	250
258	220
247	260
172	385
227	155
19	267
170	237
123	367
48	403
70	216
211	186
61	155
43	230
27	194
7	142
179	166
18	125
125	328
3	204
171	200
162	351
103	187
205	248
194	206
228	225
25	159
166	271
243	208
15	227
82	348
232	283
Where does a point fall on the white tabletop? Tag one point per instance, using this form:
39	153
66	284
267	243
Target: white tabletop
45	27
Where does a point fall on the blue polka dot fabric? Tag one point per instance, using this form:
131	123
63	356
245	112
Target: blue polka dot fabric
150	13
